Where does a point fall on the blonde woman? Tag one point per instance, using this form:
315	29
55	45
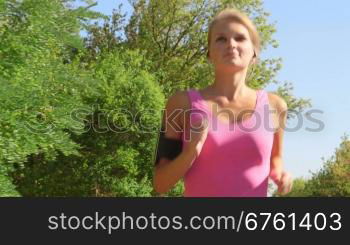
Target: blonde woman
226	139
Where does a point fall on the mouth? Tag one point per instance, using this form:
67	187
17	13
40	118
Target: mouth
231	55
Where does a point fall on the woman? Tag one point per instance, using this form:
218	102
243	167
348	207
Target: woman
224	145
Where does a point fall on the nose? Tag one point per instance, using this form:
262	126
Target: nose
232	43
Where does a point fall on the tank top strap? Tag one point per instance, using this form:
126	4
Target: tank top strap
262	99
196	100
263	109
198	110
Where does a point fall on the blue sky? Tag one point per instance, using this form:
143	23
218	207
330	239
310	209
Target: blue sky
314	38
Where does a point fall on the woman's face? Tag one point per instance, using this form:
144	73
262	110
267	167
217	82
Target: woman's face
230	45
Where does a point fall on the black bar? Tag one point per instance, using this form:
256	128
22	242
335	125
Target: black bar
28	219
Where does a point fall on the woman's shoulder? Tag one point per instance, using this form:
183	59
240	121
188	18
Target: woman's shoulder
178	103
277	102
179	100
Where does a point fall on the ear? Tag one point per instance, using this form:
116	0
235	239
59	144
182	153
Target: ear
208	57
254	59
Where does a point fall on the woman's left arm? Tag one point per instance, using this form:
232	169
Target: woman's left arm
281	178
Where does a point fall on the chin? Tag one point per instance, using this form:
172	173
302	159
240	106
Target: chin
234	65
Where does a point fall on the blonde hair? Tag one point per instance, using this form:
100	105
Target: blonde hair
237	16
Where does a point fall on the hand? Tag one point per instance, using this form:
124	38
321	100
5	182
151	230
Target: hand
198	135
284	183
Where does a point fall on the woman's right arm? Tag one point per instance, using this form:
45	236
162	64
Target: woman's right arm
168	172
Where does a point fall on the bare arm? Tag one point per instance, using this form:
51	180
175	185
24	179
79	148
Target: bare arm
168	172
277	173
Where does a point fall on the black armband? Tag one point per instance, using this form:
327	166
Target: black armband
168	148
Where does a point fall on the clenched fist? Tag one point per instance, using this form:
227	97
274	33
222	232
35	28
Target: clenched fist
198	132
284	183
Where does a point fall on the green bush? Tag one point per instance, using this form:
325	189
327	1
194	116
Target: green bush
38	91
114	153
7	189
332	180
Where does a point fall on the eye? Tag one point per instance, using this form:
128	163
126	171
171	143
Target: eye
221	38
240	38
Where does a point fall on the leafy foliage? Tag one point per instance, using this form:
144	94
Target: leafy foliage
332	180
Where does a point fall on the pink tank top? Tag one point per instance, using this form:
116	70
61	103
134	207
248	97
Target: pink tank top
235	158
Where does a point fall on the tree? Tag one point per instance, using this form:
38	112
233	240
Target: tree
334	177
332	180
105	38
38	88
116	139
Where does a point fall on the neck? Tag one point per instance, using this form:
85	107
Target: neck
231	85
